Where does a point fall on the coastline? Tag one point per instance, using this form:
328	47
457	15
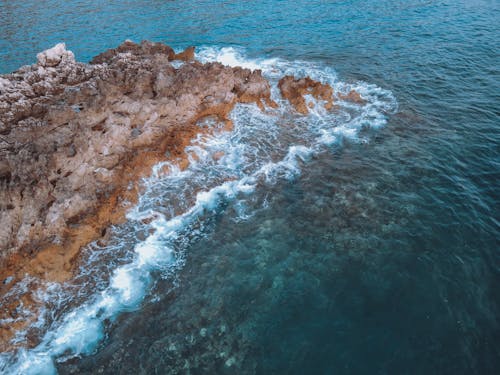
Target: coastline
113	120
299	239
165	113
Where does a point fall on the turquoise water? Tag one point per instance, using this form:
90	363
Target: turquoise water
372	248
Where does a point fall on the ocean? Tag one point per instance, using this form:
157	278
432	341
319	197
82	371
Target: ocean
364	240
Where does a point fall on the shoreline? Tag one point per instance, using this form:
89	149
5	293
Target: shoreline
132	81
110	121
57	263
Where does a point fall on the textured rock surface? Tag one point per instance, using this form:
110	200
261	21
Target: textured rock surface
72	135
55	55
352	96
186	55
75	138
295	90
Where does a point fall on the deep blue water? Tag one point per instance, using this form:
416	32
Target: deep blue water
383	256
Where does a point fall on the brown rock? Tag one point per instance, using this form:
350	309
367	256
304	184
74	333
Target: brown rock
352	96
186	55
5	170
144	49
122	113
294	90
129	102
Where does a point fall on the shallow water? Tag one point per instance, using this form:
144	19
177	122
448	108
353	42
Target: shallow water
363	241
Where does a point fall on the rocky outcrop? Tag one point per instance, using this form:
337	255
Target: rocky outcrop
144	49
55	55
73	135
75	138
186	55
352	96
295	91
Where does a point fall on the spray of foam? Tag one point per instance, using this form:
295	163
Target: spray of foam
225	168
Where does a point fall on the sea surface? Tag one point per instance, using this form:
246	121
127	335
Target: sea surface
365	240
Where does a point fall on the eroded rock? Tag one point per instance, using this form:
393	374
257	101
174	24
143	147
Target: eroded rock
54	56
352	96
186	55
63	120
295	90
145	49
74	137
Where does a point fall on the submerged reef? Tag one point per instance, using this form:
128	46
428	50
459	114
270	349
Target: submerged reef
75	138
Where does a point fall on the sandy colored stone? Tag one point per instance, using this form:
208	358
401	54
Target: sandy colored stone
54	56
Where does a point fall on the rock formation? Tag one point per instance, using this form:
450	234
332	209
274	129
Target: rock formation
352	96
186	55
75	137
294	90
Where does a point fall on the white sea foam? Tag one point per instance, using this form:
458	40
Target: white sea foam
263	149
